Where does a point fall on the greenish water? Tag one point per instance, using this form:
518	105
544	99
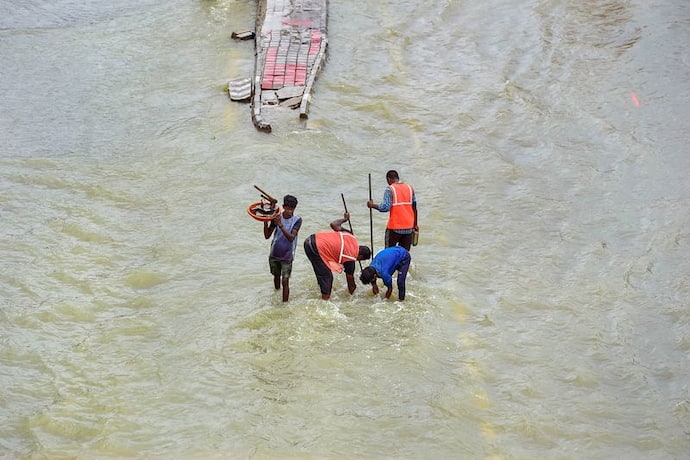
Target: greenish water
547	312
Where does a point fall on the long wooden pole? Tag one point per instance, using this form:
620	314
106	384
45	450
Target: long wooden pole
371	220
349	223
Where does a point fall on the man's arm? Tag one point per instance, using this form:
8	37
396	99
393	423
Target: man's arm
349	268
269	228
385	204
351	286
295	229
293	233
337	225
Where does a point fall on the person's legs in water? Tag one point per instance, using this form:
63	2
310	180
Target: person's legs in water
286	271
402	269
324	276
276	267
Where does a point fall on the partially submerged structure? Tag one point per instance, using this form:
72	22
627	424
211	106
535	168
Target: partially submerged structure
290	46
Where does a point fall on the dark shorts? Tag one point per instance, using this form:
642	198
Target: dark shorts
394	238
324	276
280	267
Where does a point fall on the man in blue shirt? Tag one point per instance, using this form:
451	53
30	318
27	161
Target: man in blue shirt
387	261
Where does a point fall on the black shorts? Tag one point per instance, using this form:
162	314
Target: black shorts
393	238
324	276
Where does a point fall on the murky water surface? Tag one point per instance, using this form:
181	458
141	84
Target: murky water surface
547	312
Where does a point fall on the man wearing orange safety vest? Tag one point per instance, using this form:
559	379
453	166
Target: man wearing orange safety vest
400	200
332	252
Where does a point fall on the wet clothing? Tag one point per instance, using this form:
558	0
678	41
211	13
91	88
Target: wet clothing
336	248
329	252
280	268
401	212
281	248
401	238
389	260
282	251
399	198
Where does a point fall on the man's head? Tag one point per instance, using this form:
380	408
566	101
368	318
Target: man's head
392	176
368	275
364	253
289	205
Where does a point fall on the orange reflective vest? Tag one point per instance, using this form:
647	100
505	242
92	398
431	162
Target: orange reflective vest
336	248
401	213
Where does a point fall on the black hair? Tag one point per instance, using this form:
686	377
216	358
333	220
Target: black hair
364	253
367	275
290	201
393	174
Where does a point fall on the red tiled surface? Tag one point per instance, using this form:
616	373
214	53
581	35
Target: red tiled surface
291	40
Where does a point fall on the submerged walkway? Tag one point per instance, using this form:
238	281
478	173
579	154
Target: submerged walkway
291	47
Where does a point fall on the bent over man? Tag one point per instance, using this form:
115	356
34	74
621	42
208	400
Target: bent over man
332	252
384	264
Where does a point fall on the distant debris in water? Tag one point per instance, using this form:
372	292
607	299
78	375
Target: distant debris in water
244	35
635	100
240	90
290	48
293	102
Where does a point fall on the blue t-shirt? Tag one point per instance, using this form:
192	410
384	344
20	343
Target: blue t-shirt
386	261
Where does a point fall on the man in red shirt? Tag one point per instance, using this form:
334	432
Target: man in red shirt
334	251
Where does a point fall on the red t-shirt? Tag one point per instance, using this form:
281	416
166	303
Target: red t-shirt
336	248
